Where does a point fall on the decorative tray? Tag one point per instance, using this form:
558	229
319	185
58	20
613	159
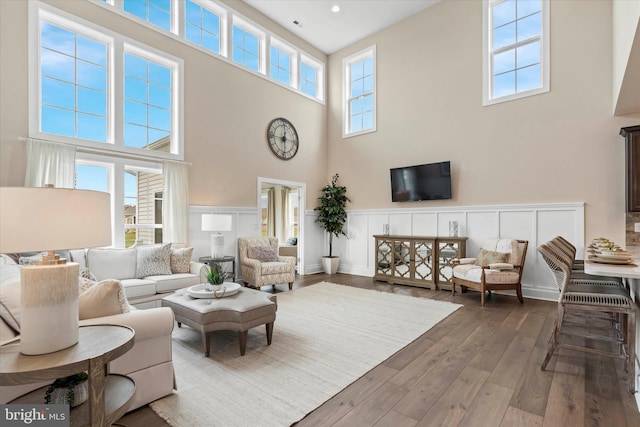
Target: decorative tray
199	291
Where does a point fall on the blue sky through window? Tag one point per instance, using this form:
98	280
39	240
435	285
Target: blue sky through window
73	78
280	68
147	101
308	79
156	12
361	96
517	27
202	26
246	48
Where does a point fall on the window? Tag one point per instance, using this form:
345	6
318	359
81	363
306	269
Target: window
308	79
311	77
359	96
204	25
147	104
76	70
136	190
516	46
247	46
143	201
156	12
73	79
281	64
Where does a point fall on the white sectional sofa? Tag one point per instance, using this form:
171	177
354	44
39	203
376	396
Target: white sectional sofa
149	363
142	291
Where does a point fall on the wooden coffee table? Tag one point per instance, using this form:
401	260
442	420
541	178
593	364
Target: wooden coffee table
239	312
97	346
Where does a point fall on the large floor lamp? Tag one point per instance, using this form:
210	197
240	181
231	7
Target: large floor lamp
49	219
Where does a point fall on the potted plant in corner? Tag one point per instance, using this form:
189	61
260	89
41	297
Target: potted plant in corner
332	216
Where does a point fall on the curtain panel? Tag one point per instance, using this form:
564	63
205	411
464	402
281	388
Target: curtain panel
175	200
50	163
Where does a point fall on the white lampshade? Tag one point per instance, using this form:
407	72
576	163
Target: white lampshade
38	219
43	219
216	223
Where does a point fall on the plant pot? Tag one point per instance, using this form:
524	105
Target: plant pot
80	392
330	264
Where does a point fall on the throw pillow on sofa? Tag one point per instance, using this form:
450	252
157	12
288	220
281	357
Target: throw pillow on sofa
99	299
153	260
181	260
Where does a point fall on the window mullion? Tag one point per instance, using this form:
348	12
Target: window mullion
117	81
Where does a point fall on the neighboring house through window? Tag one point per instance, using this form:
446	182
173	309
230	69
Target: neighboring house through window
516	49
360	92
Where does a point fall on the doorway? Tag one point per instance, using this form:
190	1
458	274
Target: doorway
281	207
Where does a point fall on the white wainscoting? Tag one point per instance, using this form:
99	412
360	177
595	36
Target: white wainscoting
245	223
535	223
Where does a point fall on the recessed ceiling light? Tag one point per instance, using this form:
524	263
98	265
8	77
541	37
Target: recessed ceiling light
335	8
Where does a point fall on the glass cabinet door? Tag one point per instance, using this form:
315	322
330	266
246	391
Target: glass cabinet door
424	260
384	257
447	252
402	258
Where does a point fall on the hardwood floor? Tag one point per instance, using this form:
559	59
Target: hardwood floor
478	367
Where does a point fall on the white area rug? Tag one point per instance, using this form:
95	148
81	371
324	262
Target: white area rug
326	336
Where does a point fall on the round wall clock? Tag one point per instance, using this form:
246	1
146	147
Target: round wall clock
282	138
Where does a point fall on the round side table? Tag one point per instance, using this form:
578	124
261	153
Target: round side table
98	345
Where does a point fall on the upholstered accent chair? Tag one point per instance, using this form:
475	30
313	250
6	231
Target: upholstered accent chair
261	265
499	266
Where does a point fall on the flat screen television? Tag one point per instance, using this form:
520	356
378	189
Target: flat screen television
430	181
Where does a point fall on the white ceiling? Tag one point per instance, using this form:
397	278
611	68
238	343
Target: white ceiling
329	31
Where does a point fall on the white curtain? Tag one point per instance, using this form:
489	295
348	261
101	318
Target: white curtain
175	203
285	229
271	212
50	163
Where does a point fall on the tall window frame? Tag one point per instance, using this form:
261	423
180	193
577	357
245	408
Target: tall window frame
117	46
253	31
490	54
359	93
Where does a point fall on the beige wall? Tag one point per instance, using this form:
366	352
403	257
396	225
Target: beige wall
556	147
626	68
562	146
226	111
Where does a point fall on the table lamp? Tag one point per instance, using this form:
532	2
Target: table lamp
216	223
46	219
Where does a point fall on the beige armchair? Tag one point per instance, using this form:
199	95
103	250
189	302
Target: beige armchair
261	265
498	266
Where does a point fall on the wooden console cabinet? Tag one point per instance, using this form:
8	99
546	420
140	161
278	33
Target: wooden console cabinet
423	261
